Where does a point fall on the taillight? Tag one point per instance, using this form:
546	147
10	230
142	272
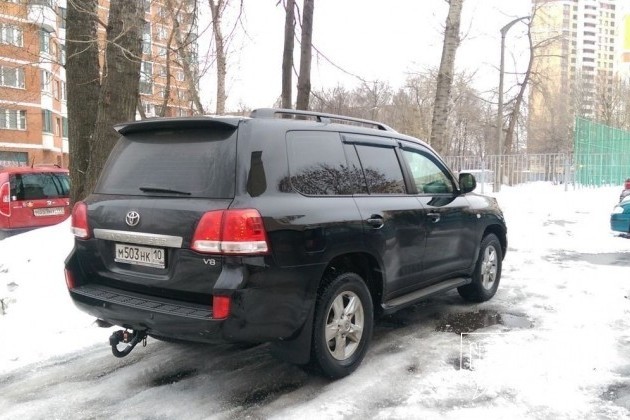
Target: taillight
231	232
80	227
5	199
207	236
69	279
220	307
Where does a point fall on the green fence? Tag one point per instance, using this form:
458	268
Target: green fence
601	154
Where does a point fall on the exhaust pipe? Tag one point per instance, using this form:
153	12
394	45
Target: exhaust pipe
131	338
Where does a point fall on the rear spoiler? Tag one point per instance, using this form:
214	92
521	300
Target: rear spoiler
151	124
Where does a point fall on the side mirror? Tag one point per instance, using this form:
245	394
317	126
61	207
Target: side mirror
467	183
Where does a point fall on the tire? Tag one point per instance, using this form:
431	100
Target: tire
344	319
487	274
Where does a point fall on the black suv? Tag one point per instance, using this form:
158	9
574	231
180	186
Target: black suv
291	227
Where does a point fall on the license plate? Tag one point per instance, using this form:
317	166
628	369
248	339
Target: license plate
49	211
140	255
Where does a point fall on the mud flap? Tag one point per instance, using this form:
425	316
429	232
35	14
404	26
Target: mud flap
296	350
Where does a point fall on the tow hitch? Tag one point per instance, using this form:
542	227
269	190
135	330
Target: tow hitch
131	338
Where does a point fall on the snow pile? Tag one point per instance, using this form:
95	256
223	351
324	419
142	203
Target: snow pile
37	315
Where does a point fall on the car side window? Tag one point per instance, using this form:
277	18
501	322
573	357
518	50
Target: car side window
382	169
318	165
427	175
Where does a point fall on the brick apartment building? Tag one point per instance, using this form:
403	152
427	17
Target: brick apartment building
33	112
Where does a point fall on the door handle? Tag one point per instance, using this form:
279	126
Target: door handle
376	221
434	217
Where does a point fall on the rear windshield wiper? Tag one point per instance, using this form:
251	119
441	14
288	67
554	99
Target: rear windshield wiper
163	190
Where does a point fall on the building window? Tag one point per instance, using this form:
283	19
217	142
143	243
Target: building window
62	17
12	119
47	124
64	127
180	76
146	38
161	51
146	87
11	35
162	32
46	79
146	70
62	91
163	71
61	55
44	42
12	77
149	109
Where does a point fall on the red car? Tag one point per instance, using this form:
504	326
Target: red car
32	197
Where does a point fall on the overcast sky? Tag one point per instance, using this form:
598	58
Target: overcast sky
372	39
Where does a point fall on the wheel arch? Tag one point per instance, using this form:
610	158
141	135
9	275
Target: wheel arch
500	233
363	264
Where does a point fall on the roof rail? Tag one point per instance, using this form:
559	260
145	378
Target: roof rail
318	116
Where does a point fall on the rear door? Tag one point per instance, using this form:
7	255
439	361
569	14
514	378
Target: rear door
154	189
39	198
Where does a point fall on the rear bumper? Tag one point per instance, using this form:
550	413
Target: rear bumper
157	316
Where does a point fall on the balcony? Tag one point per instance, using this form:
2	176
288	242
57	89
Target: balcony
48	141
42	13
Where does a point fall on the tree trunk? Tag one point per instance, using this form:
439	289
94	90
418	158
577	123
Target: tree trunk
217	12
185	57
120	81
287	56
304	78
83	82
445	77
518	101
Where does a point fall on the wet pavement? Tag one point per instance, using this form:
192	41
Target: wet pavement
466	322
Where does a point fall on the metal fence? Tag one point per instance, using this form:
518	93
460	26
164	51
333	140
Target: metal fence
515	169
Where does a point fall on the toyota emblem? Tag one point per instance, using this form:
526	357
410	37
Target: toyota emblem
133	218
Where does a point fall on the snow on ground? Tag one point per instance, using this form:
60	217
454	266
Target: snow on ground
553	342
39	319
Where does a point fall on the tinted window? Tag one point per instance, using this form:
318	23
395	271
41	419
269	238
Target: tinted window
382	169
318	165
427	175
194	162
39	186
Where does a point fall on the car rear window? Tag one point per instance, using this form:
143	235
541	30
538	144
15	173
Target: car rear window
188	163
39	186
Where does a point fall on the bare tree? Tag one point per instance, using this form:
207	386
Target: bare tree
304	78
183	54
515	111
116	92
83	81
287	55
445	75
217	8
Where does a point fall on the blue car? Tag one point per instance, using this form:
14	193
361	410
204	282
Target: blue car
620	217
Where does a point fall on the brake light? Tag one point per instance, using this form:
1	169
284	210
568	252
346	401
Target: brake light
5	199
80	227
231	232
220	307
69	278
